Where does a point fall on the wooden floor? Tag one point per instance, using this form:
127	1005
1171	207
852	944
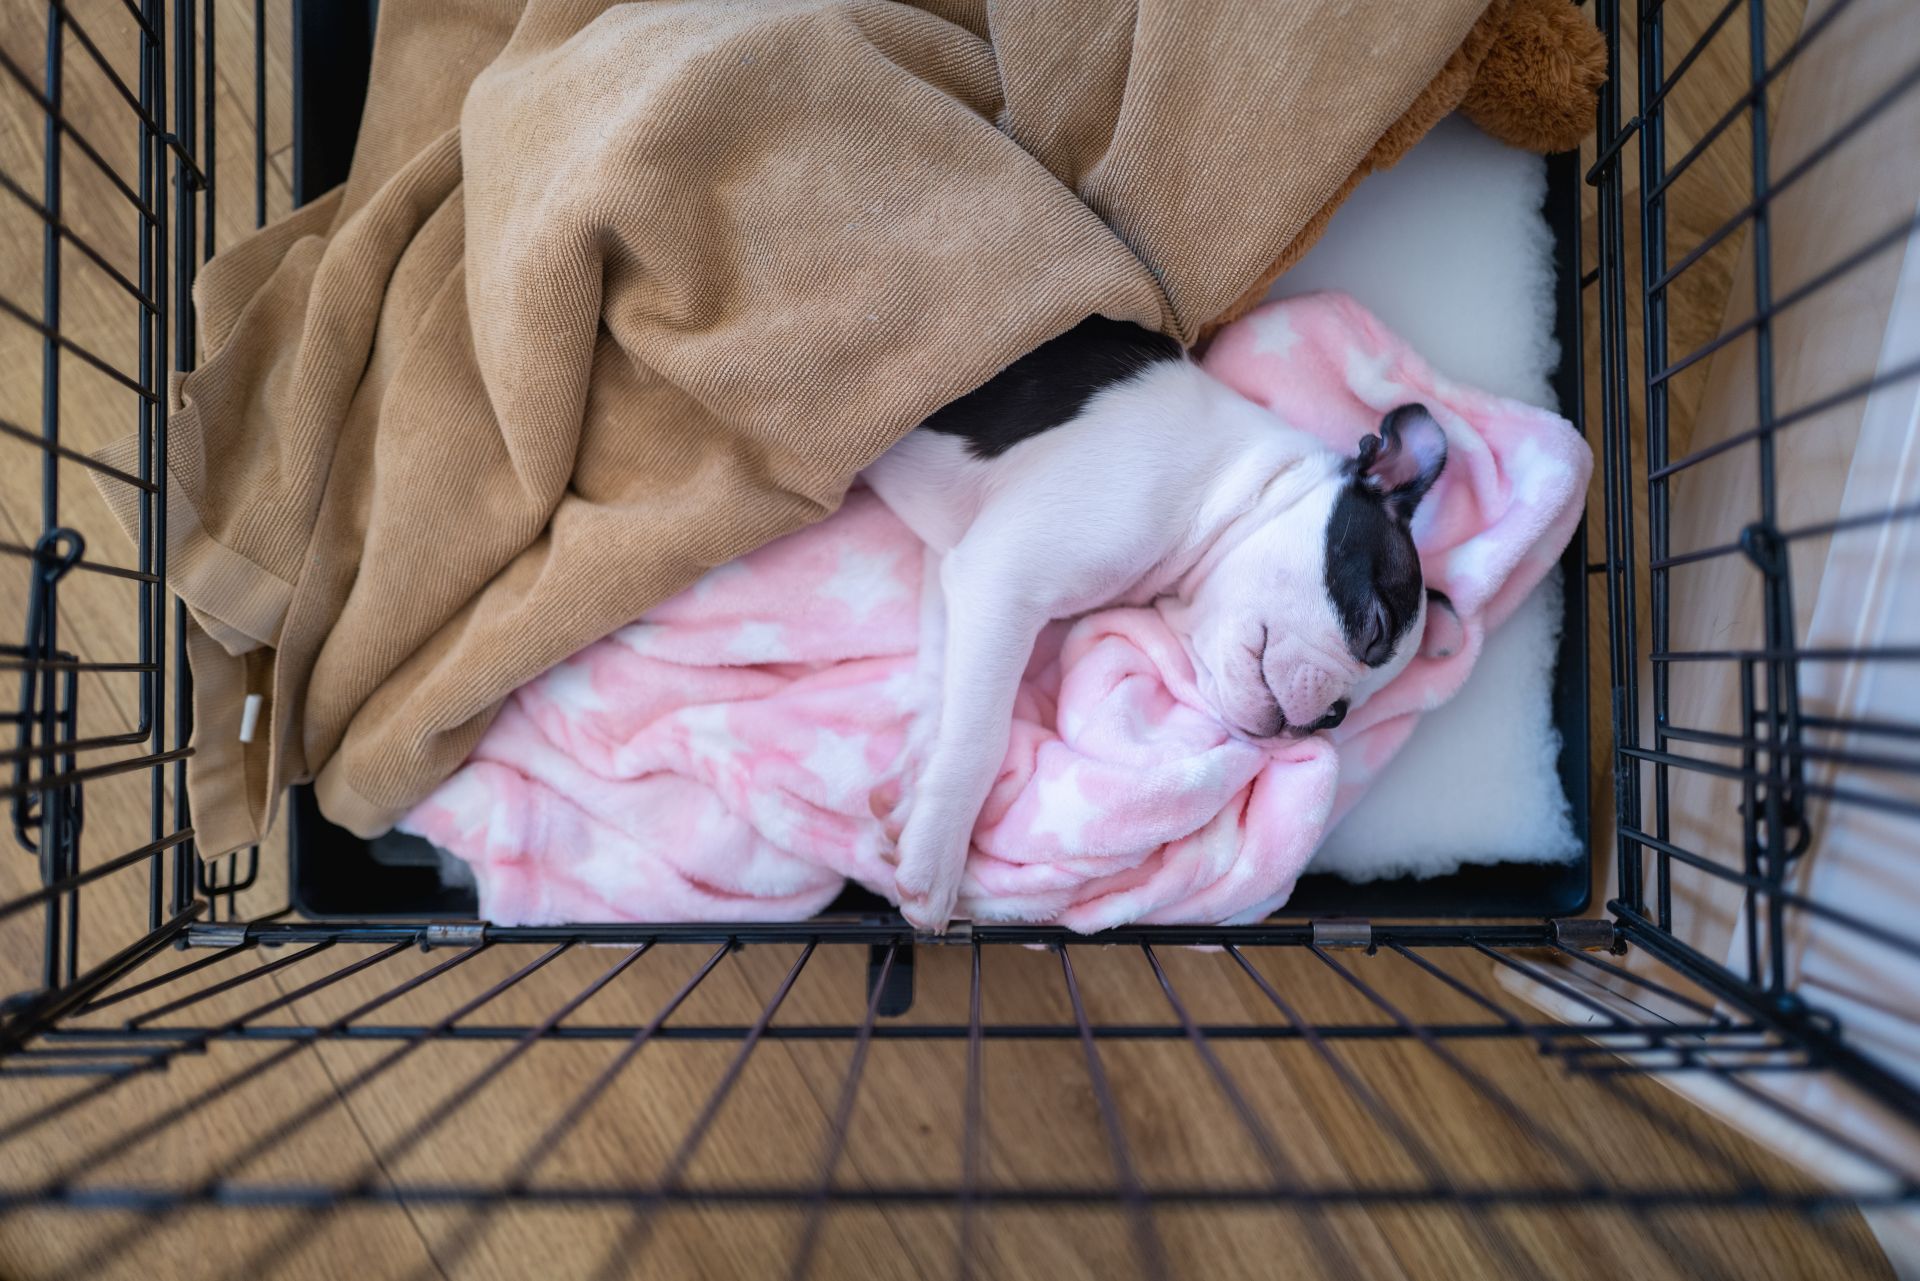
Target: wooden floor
1496	1113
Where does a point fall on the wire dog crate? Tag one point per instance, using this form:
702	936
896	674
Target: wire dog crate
188	1060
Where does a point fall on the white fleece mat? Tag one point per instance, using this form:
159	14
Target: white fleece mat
1451	250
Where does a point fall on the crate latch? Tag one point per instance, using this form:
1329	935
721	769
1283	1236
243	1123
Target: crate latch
224	934
457	934
1343	934
1584	933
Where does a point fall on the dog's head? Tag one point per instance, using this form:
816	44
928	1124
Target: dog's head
1318	600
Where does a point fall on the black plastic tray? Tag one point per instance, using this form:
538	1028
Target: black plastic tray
336	874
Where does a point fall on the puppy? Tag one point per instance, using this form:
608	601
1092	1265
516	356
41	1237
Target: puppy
1107	468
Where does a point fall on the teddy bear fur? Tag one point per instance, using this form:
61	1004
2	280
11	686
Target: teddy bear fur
1535	88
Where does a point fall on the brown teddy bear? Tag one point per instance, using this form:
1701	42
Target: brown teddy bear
1527	74
1535	86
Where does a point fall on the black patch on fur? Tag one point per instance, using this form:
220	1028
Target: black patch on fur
1373	572
1051	384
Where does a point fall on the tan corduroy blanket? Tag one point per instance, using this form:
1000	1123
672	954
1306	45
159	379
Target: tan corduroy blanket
617	292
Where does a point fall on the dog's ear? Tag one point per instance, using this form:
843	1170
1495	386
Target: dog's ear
1445	634
1403	461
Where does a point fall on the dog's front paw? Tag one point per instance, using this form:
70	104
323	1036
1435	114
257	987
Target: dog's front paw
927	878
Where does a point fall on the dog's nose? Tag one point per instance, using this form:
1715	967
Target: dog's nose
1310	689
1335	714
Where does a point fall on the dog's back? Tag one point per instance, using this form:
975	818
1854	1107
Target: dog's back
938	477
1051	384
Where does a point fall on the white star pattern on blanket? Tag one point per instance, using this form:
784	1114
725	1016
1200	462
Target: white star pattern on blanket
771	818
1473	564
571	686
718	576
1367	374
1534	473
862	581
638	637
1065	813
839	761
758	641
710	743
898	686
1272	333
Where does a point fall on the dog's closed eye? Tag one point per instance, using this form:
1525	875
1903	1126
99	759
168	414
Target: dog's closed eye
1376	637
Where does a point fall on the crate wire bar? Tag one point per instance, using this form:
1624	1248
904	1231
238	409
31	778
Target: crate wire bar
214	993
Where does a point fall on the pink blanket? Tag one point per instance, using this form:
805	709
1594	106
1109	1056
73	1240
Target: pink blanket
729	755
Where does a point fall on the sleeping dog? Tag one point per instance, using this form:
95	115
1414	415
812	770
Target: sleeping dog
1105	468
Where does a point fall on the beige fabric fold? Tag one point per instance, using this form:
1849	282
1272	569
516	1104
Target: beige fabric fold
617	292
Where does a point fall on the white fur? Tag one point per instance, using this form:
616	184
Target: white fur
1168	487
1449	249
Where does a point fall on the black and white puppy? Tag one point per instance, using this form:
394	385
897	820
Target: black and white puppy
1106	468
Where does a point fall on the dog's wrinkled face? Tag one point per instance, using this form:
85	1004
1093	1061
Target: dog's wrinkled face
1322	603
